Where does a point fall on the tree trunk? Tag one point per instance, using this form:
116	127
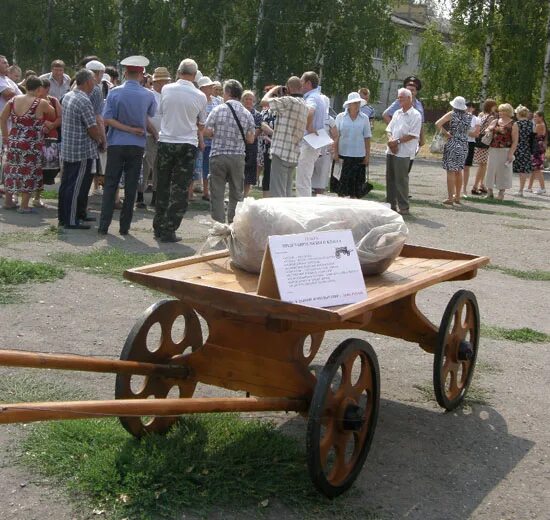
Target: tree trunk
320	58
120	32
221	55
488	51
46	44
546	68
256	64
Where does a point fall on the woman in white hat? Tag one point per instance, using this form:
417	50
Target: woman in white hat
456	147
352	146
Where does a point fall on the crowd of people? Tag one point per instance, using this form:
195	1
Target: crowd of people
155	133
501	141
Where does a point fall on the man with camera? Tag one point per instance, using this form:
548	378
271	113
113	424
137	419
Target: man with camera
288	105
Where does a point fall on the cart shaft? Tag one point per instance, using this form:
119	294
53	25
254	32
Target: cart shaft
21	358
30	412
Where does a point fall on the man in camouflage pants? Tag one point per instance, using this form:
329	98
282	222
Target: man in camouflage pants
183	112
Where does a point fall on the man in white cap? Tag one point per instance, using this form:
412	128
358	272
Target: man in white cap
127	113
183	113
96	97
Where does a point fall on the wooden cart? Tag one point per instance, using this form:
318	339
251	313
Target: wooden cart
264	346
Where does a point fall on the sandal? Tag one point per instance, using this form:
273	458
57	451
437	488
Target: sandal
448	202
26	211
476	191
483	189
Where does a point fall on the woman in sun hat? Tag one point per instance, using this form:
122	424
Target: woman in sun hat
352	145
456	147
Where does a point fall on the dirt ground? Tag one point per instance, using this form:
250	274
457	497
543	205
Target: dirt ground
488	462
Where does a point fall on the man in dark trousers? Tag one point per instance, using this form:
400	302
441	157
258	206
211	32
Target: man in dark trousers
80	137
127	110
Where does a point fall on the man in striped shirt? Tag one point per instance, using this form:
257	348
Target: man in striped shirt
288	104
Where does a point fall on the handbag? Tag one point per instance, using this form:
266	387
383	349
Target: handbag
250	149
438	143
482	140
486	138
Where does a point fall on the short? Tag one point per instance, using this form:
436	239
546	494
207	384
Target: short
471	151
206	162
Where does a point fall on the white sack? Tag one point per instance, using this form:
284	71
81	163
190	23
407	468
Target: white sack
378	231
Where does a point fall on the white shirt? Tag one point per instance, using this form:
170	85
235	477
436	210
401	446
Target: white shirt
6	83
181	106
473	124
56	89
402	124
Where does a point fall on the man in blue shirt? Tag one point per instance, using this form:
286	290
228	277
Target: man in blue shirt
126	112
315	121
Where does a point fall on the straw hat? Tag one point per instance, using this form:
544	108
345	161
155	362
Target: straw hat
161	74
459	103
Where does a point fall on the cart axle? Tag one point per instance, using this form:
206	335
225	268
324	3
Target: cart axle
22	358
30	412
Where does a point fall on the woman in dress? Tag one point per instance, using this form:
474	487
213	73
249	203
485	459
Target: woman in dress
23	168
52	123
456	147
501	151
541	137
522	162
481	153
352	146
248	99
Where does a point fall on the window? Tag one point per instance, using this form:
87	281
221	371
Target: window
406	52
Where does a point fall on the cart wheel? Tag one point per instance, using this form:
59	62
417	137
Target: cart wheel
142	345
456	350
342	417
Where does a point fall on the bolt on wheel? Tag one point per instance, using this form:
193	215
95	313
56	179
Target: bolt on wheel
342	416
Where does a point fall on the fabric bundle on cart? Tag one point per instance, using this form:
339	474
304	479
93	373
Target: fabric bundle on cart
378	231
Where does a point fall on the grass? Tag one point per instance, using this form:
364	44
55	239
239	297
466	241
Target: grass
14	272
47	234
536	275
523	335
109	261
49	195
205	464
475	394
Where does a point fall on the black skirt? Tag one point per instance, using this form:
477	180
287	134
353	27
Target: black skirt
352	178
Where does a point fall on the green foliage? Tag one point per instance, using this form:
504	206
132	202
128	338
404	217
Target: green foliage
447	70
537	275
110	261
204	463
519	43
14	272
523	335
335	38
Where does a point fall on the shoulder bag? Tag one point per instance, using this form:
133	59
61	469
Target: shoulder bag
250	150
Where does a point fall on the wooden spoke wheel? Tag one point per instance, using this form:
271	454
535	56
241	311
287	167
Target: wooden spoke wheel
342	416
456	350
161	335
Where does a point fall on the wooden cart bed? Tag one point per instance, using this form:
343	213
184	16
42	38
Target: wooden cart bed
213	280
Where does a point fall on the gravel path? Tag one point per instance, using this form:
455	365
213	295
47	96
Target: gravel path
488	462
